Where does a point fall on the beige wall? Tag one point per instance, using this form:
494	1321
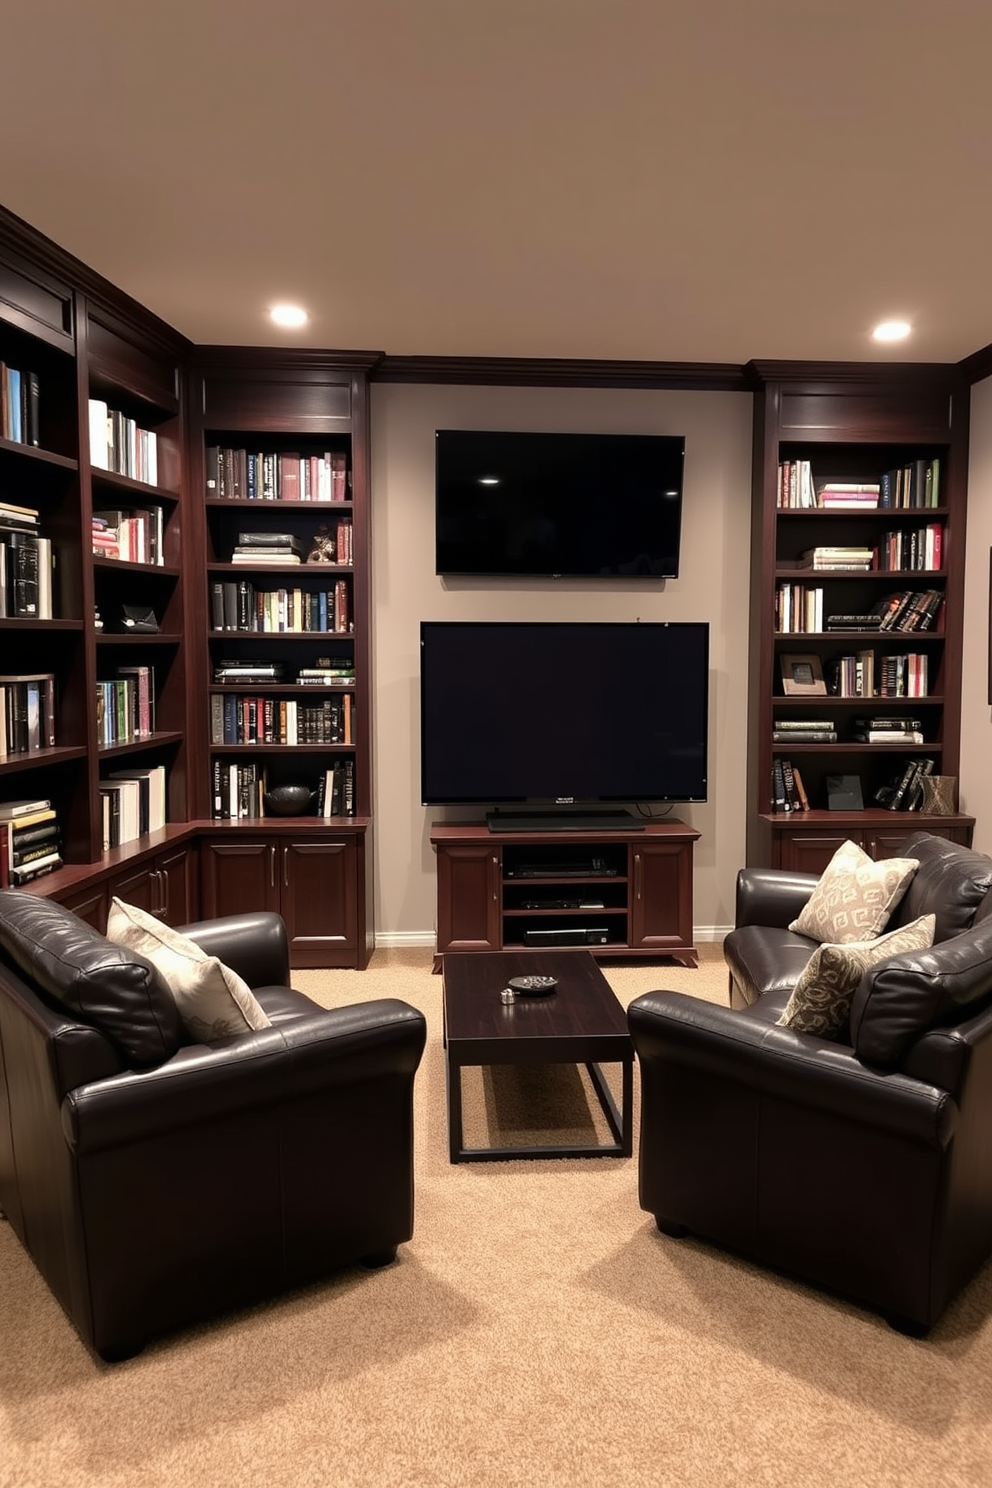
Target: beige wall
713	586
976	732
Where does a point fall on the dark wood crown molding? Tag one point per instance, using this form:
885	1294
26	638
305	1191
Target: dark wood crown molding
757	373
560	372
978	366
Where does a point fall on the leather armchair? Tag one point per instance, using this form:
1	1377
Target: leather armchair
863	1164
152	1192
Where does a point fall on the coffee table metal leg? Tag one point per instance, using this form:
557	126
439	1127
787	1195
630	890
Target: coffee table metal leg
454	1079
619	1120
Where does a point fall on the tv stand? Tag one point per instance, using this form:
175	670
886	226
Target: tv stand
563	821
508	890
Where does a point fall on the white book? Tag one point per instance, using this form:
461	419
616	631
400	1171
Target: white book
99	445
45	570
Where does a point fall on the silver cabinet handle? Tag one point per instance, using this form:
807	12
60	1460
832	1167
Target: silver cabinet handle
272	867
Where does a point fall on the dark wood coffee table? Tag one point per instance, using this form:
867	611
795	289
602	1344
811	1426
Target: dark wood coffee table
582	1023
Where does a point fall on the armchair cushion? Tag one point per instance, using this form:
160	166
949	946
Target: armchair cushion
105	986
909	994
821	999
951	882
854	897
213	1001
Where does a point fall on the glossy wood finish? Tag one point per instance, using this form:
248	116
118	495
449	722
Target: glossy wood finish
643	898
851	422
314	876
807	844
582	1023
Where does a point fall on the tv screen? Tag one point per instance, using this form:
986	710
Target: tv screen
560	505
563	712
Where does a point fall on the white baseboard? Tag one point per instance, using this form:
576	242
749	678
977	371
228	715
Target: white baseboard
408	939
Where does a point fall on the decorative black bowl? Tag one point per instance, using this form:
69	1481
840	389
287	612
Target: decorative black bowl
289	800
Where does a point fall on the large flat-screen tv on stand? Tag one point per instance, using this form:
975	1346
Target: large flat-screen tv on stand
544	723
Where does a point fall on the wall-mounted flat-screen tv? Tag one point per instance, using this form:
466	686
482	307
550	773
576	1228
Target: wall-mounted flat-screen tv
558	505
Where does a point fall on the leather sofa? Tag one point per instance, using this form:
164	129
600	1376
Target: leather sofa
861	1163
155	1181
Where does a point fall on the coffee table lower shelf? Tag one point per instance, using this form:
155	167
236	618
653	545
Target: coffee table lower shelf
582	1024
619	1119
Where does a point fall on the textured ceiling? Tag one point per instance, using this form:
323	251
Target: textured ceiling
706	180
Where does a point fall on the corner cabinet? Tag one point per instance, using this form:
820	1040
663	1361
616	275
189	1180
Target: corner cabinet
858	516
280	462
626	893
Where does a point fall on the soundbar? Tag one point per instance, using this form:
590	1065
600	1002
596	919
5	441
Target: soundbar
586	935
597	868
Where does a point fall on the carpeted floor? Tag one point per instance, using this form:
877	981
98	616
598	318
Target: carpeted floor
536	1331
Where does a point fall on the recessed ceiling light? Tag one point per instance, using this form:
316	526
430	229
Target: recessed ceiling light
892	330
289	315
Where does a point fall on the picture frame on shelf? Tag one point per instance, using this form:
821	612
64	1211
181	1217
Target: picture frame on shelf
802	675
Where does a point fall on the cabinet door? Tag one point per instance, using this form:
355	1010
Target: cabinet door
888	842
468	897
178	879
141	886
810	852
661	896
238	875
90	904
319	899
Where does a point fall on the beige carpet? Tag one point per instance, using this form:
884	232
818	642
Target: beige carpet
537	1330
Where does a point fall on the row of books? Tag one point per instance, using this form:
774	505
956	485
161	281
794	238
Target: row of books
27	569
119	445
133	803
328	672
132	535
27	712
905	793
799	610
889	675
922	548
249	475
30	841
236	604
336	790
788	791
912	486
19	405
125	706
240	718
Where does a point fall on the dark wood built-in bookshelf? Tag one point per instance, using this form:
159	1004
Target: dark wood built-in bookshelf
892	441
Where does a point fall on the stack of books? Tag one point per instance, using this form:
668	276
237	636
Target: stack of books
27	712
19	397
857	559
848	495
236	669
30	841
889	730
328	673
804	731
268	547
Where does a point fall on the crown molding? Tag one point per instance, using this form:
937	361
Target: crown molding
560	372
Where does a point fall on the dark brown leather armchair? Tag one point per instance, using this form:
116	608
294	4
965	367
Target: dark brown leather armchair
154	1181
861	1164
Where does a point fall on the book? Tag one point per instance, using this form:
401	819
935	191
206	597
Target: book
270	540
17	811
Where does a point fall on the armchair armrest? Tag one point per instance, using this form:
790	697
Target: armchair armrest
199	1085
255	945
672	1027
771	896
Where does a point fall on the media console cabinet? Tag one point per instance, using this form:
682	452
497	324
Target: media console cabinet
614	893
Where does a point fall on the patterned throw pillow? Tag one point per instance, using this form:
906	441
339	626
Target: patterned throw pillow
213	1001
821	999
855	896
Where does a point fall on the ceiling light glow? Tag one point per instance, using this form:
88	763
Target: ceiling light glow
289	315
892	330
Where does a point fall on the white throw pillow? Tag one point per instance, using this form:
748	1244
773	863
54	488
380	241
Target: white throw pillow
821	999
213	1001
855	896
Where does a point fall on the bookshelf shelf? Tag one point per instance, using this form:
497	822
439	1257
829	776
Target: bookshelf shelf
874	435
